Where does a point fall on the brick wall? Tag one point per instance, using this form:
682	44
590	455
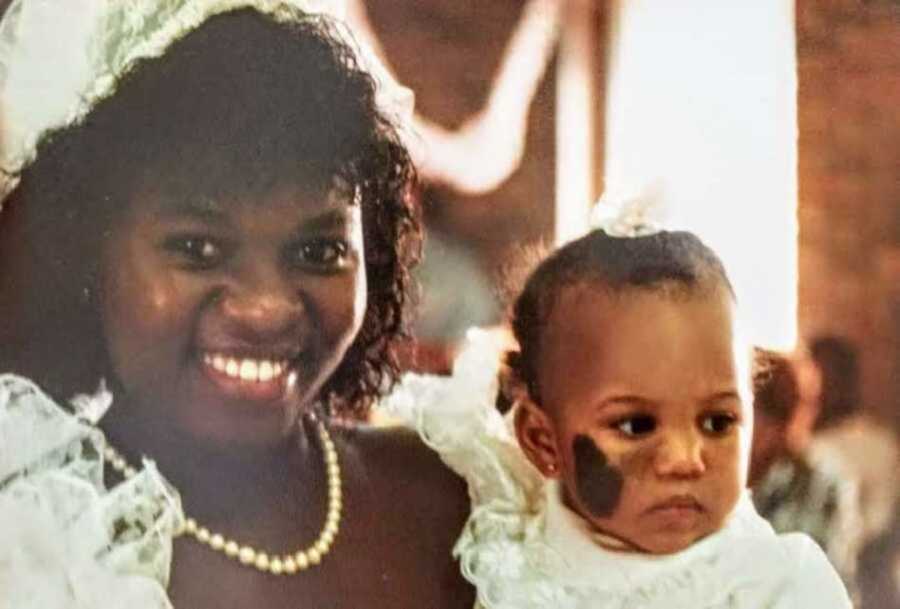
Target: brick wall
849	166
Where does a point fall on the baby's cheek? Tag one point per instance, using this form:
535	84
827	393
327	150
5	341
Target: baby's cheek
598	482
728	460
637	463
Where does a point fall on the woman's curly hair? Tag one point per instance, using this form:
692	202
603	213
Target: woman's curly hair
240	105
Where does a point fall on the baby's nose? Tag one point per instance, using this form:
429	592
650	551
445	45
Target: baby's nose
681	455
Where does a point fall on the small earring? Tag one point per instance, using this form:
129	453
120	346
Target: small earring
551	468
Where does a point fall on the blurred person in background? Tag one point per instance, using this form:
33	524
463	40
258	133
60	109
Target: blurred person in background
790	489
455	294
868	452
866	448
879	568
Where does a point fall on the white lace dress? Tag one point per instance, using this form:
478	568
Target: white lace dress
524	549
67	542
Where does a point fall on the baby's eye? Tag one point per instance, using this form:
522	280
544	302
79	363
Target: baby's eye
196	250
718	423
327	254
635	426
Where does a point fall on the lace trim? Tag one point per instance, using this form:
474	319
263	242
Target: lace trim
56	64
500	550
65	541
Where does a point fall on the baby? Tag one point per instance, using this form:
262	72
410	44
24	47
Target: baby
631	399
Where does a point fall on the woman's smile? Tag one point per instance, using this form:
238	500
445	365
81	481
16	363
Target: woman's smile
264	380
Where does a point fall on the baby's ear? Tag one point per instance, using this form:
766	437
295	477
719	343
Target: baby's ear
537	437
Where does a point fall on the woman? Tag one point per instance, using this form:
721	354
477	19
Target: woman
218	224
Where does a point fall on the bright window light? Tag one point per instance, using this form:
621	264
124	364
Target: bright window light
702	111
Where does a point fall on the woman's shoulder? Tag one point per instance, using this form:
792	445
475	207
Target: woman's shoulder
398	447
413	508
396	457
457	418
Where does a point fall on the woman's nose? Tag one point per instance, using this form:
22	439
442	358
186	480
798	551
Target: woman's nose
681	455
262	303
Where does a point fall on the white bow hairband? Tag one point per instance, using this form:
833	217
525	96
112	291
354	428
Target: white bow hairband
629	215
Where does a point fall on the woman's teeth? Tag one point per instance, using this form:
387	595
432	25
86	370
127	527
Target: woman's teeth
252	370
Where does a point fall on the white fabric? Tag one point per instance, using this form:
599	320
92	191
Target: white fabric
744	565
58	59
699	96
524	549
66	542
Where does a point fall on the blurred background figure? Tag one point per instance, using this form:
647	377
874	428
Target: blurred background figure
868	452
793	491
866	448
879	568
455	295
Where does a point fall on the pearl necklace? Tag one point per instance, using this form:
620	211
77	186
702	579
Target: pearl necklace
277	564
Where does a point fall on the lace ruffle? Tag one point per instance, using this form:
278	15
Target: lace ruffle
500	549
65	541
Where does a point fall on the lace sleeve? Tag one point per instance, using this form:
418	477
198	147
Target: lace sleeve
501	550
65	541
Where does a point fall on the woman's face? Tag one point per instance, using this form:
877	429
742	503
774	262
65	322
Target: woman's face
224	317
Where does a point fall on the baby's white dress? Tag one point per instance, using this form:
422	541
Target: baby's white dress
66	541
524	549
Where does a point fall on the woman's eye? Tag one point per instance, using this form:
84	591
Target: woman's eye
196	250
326	253
718	424
636	426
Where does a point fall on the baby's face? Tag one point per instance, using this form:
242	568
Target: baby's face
647	407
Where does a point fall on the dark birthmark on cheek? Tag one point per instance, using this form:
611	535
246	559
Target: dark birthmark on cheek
599	484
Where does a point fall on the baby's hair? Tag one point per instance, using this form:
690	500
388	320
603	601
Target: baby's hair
776	392
240	106
673	263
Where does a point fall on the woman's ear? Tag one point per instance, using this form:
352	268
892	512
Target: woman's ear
537	437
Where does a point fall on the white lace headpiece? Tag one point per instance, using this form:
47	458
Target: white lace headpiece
629	215
58	58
